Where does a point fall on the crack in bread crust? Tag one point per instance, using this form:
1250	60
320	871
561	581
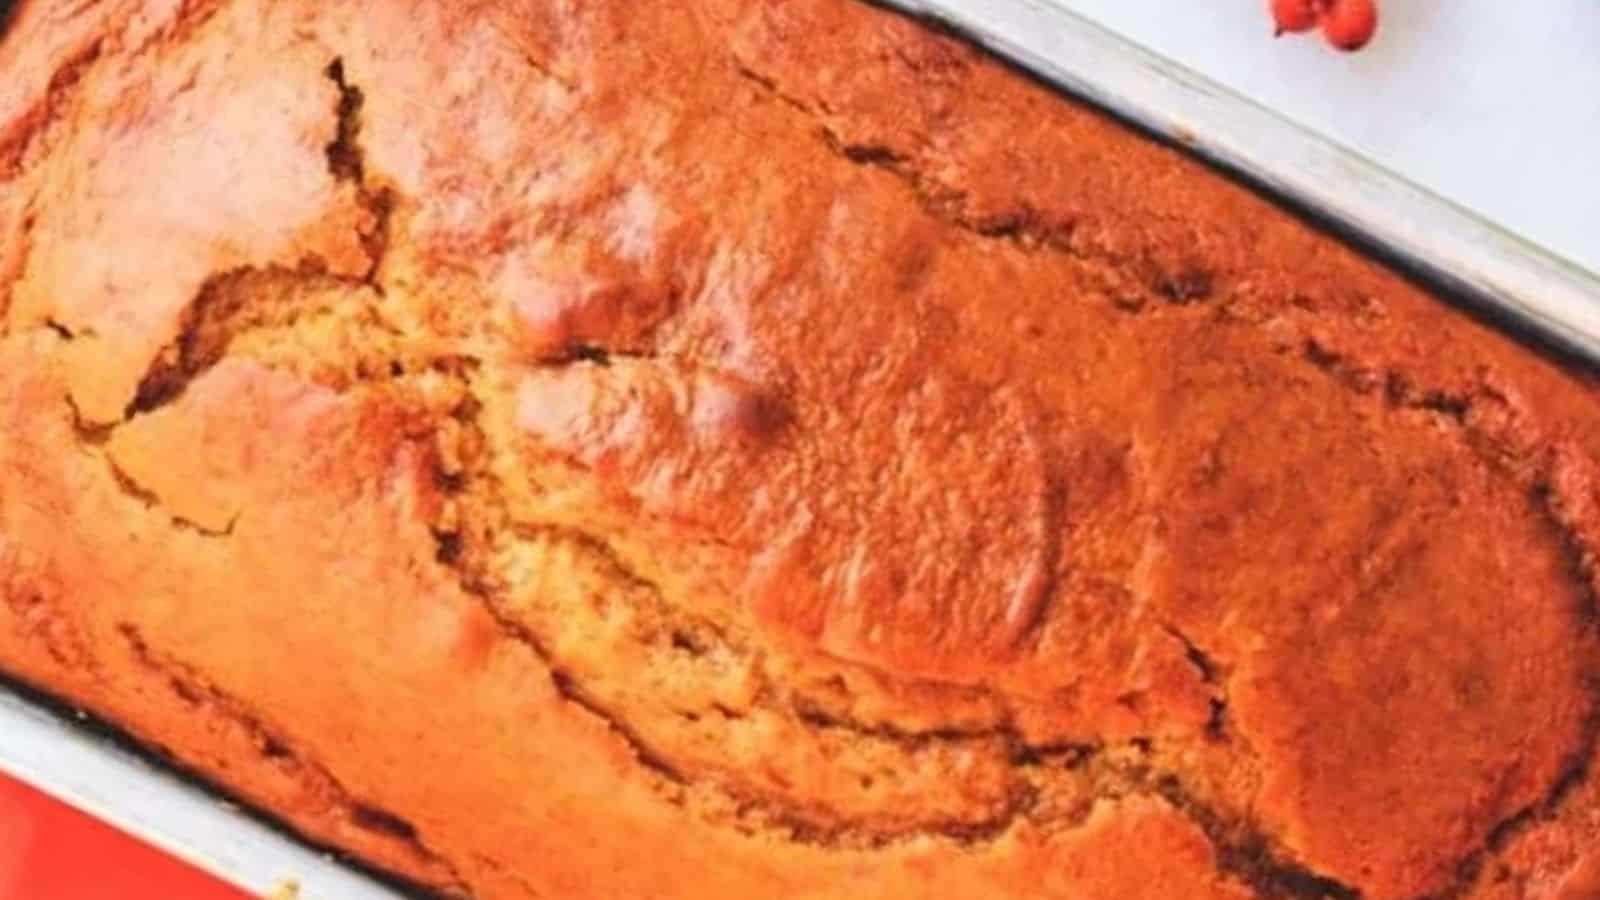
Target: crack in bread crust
228	305
1025	227
22	137
15	145
1496	450
1054	787
347	162
278	750
18	140
482	547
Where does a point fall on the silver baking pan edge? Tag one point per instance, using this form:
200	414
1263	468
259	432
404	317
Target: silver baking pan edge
1512	281
58	753
1509	279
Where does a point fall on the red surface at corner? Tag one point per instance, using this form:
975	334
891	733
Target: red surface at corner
49	851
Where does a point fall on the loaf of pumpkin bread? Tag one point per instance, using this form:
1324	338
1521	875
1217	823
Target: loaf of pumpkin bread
632	450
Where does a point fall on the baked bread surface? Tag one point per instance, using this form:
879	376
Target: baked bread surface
729	450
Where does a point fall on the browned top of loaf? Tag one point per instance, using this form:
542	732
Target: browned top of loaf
728	450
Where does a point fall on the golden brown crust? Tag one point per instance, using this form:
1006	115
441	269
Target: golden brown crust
764	450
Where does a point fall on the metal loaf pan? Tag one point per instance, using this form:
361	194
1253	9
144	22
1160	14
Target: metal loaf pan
1499	275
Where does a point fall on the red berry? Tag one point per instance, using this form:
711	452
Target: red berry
1294	15
1350	24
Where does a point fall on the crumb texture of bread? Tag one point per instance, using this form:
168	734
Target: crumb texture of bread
764	449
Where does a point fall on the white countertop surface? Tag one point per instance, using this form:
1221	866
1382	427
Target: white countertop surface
1494	105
